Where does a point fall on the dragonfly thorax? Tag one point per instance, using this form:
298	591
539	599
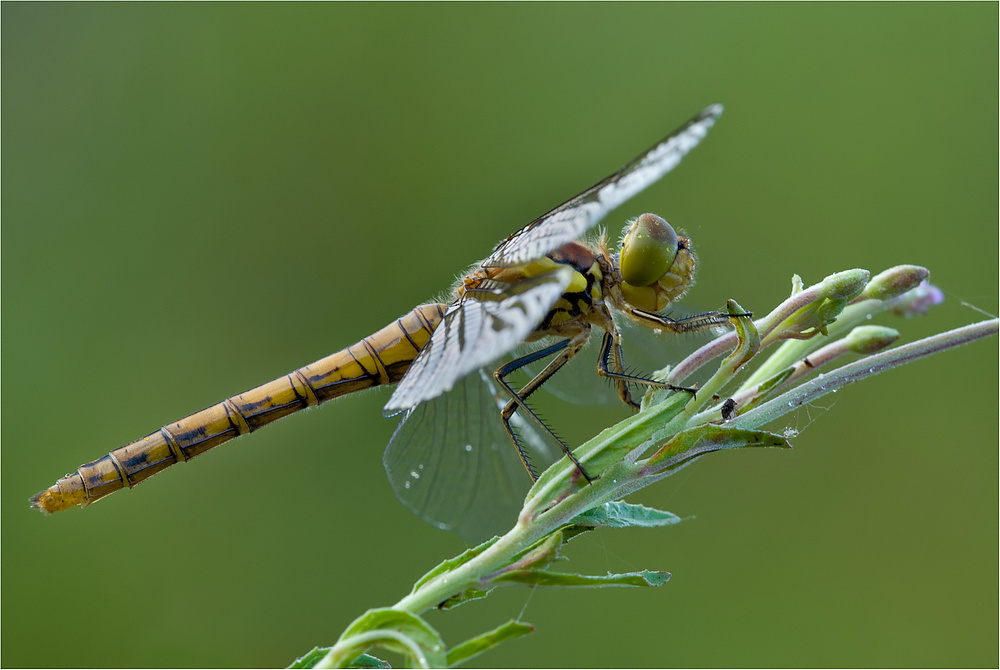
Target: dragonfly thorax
581	303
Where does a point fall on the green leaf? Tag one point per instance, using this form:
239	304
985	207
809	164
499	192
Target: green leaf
400	631
621	514
316	654
310	658
562	579
694	442
369	661
559	579
477	645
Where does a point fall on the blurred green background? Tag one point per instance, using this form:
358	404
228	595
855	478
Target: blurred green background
200	198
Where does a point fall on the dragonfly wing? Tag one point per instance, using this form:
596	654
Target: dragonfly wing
480	328
573	218
450	461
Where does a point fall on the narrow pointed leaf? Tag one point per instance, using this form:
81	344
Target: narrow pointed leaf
480	643
621	514
703	439
562	579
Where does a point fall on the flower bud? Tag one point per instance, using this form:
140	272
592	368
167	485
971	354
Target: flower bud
870	339
895	282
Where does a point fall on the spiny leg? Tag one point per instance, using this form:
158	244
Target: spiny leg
611	349
622	380
566	349
688	324
618	361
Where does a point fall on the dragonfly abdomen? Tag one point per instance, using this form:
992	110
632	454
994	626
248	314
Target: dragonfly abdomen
381	358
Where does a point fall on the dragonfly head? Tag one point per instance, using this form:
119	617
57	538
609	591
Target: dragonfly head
657	265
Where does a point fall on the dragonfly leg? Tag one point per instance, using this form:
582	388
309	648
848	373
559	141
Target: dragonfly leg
688	324
566	349
617	360
623	379
611	349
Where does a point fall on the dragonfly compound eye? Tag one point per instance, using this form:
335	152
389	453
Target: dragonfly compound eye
648	250
657	266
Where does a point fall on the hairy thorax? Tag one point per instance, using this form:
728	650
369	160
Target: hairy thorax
581	304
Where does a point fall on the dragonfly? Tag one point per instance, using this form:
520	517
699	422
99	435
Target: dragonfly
448	460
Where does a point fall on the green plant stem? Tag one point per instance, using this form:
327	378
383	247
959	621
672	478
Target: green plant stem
472	574
680	432
862	369
500	554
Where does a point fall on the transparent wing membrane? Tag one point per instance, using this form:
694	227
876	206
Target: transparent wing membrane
450	461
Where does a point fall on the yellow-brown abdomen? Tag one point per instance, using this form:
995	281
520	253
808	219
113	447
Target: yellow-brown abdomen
382	358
